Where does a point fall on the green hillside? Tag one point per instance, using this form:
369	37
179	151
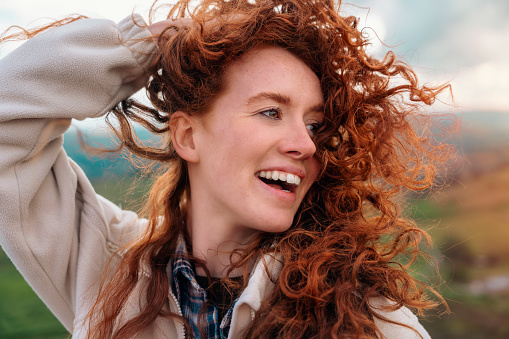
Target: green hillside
469	223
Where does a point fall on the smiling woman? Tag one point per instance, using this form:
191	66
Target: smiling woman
258	123
275	216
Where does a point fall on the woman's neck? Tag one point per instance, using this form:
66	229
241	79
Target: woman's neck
213	241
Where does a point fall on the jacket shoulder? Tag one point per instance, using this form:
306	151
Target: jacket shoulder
399	323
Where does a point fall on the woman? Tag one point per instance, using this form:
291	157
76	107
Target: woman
276	216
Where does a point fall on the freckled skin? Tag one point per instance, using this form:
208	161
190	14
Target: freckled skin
260	122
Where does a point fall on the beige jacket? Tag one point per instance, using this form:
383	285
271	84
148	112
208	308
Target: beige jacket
58	232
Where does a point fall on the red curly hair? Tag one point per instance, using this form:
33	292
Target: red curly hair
348	234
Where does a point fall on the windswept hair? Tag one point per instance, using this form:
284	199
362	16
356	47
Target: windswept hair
348	237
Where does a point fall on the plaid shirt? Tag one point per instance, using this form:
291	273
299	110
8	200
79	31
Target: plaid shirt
192	298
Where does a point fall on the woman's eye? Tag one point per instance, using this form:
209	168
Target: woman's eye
272	113
312	129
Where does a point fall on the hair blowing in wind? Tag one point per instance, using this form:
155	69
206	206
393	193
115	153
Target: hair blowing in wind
349	235
341	249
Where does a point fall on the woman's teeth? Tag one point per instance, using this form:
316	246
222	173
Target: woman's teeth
281	176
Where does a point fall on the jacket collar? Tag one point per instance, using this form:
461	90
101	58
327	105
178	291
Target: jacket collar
261	283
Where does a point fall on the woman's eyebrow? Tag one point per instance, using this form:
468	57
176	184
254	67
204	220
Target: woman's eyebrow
277	97
280	99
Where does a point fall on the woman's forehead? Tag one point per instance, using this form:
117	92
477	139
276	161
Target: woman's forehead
266	70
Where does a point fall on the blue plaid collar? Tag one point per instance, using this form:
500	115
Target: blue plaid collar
193	299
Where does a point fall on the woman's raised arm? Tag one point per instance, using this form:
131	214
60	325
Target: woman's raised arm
52	225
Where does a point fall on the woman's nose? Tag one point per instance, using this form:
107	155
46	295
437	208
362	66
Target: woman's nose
297	142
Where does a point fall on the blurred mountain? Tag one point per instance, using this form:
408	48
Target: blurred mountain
483	130
97	163
482	142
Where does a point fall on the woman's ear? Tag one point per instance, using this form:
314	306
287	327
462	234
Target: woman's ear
182	128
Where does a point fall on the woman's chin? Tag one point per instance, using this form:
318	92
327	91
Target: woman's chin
275	227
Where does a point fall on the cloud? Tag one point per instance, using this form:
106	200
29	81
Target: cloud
465	42
474	49
479	35
462	41
483	87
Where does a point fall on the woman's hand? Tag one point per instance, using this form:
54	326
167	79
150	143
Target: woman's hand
160	26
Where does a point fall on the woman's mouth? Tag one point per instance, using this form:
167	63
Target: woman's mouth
286	182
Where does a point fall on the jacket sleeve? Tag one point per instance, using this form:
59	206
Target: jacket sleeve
53	226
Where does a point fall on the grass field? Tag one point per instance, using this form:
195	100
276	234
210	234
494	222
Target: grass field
469	224
467	220
22	313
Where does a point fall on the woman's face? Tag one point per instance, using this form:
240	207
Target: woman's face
260	127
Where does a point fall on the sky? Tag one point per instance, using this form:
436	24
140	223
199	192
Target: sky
464	42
